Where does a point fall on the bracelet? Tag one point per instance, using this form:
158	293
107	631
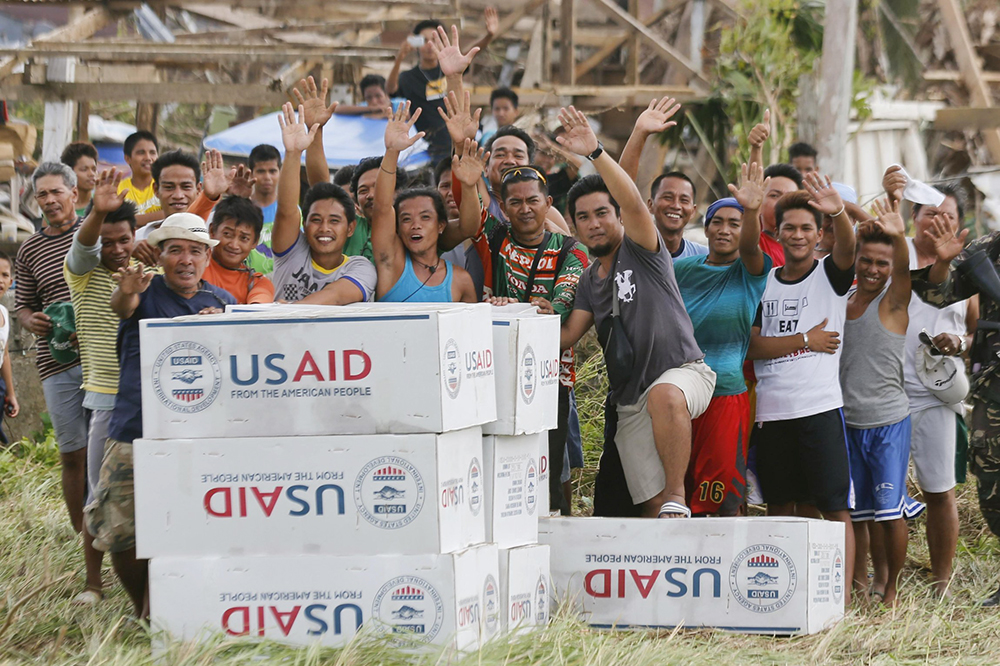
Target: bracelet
805	341
840	212
962	347
391	173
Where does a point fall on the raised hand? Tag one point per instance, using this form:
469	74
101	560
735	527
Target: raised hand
750	193
449	55
146	253
397	131
241	181
106	198
468	163
213	175
761	131
295	134
313	100
823	196
656	117
492	21
579	136
947	244
821	340
462	124
893	182
133	280
887	212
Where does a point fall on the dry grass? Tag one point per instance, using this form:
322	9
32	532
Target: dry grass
41	570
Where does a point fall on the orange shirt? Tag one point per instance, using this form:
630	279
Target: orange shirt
238	283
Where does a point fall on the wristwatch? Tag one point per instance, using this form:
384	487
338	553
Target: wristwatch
597	153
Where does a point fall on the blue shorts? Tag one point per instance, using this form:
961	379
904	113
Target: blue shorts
879	461
573	456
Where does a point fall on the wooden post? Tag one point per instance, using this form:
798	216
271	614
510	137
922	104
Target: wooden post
547	41
567	43
147	116
60	117
632	64
82	121
835	84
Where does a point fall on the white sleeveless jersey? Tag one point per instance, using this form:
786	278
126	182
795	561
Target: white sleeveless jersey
804	382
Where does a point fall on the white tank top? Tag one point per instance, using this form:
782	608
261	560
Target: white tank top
804	382
945	320
4	332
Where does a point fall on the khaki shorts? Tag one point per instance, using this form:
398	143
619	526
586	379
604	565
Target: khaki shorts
636	446
111	515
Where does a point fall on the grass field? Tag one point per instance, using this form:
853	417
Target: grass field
41	569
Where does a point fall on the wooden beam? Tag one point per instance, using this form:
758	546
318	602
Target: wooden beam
589	98
81	28
507	22
614	44
968	63
567	42
196	54
967	118
949	75
634	41
661	47
237	94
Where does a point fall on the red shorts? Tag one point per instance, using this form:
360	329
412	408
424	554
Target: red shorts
716	477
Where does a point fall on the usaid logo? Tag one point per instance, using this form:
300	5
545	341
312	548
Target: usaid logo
837	575
389	492
763	578
528	377
475	484
452	368
530	487
542	601
186	377
491	603
409	605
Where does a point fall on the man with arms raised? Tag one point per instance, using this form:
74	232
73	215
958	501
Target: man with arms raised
405	233
799	438
721	293
631	289
185	250
310	264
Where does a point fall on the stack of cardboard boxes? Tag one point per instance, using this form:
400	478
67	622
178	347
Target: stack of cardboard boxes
307	472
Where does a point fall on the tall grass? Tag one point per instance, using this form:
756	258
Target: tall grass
41	570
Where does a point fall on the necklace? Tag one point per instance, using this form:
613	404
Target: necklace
426	266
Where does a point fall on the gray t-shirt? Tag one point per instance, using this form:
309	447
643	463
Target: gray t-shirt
296	276
652	312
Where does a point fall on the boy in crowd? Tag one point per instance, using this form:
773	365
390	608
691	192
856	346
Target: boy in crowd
783	179
721	292
185	251
376	100
265	166
878	430
659	378
405	232
101	246
176	182
236	225
141	150
803	157
81	157
503	111
310	265
802	461
40	284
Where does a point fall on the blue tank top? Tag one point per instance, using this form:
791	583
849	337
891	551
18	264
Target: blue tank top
409	289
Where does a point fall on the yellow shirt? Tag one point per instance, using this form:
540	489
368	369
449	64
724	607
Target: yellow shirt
145	200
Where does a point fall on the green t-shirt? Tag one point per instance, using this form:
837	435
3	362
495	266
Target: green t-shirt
360	244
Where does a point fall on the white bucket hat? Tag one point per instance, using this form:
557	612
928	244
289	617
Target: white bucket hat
182	226
943	375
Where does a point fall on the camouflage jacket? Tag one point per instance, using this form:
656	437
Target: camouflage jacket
985	352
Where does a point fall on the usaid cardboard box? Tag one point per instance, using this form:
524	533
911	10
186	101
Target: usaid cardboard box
510	472
526	357
359	494
316	372
525	587
441	599
753	575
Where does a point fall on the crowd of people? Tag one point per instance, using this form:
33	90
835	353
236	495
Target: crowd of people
795	361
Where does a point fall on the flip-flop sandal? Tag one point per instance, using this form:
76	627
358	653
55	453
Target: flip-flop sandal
674	509
877	597
88	597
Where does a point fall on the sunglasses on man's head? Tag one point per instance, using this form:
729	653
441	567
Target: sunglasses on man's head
526	171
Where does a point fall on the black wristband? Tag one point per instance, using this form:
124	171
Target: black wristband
597	153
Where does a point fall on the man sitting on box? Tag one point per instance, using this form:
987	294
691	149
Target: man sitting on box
658	376
309	264
185	250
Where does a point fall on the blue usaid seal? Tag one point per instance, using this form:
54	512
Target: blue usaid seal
528	376
530	487
451	367
186	377
491	603
389	492
409	605
763	578
542	600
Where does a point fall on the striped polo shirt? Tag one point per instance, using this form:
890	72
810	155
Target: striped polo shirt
38	273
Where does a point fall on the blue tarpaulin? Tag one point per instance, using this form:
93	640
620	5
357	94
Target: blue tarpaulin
346	140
